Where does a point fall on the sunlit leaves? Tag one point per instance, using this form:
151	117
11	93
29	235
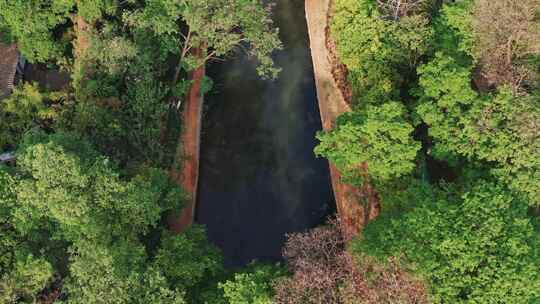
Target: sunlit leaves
381	138
471	248
253	285
377	51
500	127
28	276
25	109
218	25
32	23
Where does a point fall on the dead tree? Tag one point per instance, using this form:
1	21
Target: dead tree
325	272
506	33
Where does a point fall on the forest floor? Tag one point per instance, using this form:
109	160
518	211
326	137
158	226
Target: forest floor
333	98
185	171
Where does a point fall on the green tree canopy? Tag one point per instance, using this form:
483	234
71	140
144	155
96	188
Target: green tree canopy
31	24
378	52
476	246
381	138
25	109
252	285
74	225
501	128
218	25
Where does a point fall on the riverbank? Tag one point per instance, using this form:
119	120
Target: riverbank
333	103
333	99
185	169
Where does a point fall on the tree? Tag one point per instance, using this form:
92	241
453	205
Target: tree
377	52
252	285
120	101
324	272
31	24
396	9
27	108
454	34
26	279
216	25
87	198
470	244
500	128
117	273
65	207
381	138
446	96
507	33
188	259
41	28
93	10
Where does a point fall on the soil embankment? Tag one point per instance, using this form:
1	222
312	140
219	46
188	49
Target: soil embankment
185	169
81	42
333	103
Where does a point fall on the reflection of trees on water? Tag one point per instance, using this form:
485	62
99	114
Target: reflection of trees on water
259	177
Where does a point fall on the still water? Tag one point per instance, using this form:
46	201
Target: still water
259	178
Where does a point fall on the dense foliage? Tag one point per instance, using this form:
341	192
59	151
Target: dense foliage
82	211
475	248
253	285
378	136
80	228
26	108
460	157
32	25
218	25
445	125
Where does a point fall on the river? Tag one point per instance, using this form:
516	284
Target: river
259	178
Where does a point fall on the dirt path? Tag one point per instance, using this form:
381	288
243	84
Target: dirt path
81	40
332	104
185	170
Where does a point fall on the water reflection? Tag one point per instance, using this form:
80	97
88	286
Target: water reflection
259	178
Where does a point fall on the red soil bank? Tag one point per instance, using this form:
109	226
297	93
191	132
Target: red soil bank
185	171
355	206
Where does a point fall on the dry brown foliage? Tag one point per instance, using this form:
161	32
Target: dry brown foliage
506	33
325	273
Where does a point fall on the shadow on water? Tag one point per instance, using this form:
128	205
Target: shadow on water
259	178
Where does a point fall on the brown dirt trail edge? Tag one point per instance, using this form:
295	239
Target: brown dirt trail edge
185	170
332	104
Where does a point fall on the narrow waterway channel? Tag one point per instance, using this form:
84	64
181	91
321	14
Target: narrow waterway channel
259	178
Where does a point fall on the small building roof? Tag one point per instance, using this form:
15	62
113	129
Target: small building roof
8	68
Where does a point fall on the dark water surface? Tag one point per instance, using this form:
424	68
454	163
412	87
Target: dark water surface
259	178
